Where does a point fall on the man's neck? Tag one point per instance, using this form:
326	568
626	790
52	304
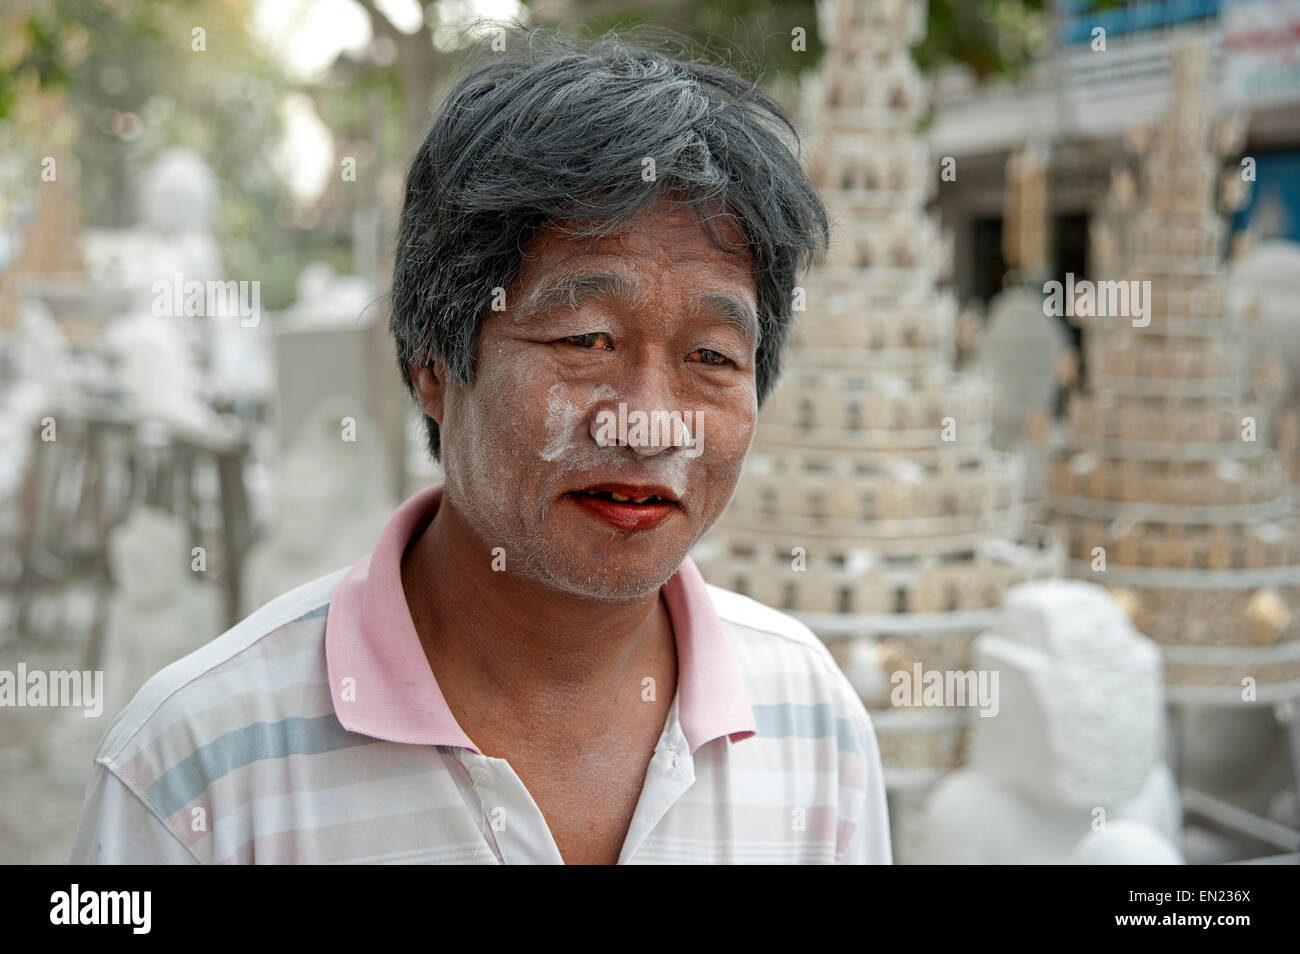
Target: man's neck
536	653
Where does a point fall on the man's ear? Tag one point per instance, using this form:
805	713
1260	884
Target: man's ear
430	387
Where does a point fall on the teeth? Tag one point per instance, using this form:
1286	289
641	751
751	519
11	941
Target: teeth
622	499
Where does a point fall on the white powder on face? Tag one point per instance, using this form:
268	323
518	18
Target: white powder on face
564	419
672	472
560	418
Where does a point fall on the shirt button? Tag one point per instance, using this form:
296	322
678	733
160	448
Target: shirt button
478	775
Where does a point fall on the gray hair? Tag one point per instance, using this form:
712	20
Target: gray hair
553	128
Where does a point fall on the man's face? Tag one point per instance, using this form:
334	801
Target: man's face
535	428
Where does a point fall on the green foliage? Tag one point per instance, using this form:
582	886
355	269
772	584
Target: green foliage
992	37
137	87
31	54
754	36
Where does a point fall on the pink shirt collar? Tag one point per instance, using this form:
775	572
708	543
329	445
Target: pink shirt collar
382	685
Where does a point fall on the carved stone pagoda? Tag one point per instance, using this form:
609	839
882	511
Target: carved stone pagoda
872	506
1168	490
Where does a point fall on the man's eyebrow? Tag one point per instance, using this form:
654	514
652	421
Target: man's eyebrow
570	291
733	311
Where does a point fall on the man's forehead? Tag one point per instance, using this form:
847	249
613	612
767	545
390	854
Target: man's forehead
557	248
668	211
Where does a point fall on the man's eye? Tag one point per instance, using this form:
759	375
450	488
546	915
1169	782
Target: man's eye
587	340
712	357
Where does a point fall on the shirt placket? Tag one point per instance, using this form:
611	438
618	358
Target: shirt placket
511	817
670	775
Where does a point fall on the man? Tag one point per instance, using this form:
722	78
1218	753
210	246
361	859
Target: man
529	668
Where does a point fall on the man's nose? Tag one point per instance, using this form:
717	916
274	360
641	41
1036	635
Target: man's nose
651	412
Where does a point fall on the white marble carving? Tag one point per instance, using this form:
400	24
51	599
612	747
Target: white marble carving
1076	745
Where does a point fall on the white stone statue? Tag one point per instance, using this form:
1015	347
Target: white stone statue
1019	352
162	609
173	244
1124	843
159	375
36	364
179	193
160	612
1075	747
332	500
177	199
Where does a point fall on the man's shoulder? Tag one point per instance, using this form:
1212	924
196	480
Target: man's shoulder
764	626
796	689
238	679
782	659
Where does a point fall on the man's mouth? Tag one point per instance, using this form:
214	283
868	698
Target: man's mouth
627	507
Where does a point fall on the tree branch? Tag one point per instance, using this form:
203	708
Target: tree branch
380	23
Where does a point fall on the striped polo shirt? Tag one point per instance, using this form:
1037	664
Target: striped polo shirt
315	732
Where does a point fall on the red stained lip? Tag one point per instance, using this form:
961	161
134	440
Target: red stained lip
627	516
